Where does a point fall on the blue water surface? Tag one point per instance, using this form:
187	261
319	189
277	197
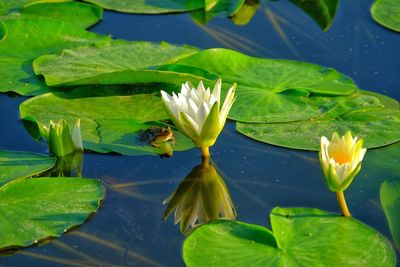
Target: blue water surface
259	176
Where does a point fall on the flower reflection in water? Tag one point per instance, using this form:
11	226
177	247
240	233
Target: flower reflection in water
200	198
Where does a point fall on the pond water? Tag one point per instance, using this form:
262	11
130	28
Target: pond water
128	230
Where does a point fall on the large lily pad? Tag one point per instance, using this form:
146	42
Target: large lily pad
377	126
390	200
20	165
92	105
7	7
269	89
322	11
128	137
38	208
80	14
28	38
300	237
72	67
387	13
149	6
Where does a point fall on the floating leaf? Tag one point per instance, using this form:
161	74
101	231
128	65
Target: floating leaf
377	126
79	64
91	105
269	89
27	39
79	14
322	11
124	136
20	165
39	208
300	237
390	200
387	13
8	6
149	6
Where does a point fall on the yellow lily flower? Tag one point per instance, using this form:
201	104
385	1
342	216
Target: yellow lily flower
341	160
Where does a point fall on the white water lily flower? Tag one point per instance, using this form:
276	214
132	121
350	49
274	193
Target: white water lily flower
198	112
61	140
341	160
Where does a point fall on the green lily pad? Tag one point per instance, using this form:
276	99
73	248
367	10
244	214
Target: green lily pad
124	136
39	208
322	11
300	237
377	126
26	39
387	13
7	7
20	165
385	101
92	105
80	14
149	6
390	200
72	67
269	89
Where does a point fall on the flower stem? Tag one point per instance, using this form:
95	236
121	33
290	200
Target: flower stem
205	162
205	151
342	204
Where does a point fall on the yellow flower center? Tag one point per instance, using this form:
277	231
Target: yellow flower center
341	155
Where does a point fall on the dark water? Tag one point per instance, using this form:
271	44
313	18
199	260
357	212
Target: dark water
259	176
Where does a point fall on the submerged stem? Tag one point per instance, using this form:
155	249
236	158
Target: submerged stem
343	204
205	151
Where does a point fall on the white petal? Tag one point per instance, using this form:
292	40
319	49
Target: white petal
201	90
166	97
193	123
192	108
217	90
76	135
204	110
342	171
207	95
228	102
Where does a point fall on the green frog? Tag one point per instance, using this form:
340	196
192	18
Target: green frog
156	135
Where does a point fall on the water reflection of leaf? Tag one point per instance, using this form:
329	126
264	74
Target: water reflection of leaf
200	198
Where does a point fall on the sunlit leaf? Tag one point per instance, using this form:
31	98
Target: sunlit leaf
387	13
390	200
377	126
20	165
85	65
269	89
39	208
9	6
299	237
80	14
26	39
92	105
149	6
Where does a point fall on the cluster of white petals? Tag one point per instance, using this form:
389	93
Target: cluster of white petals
190	110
